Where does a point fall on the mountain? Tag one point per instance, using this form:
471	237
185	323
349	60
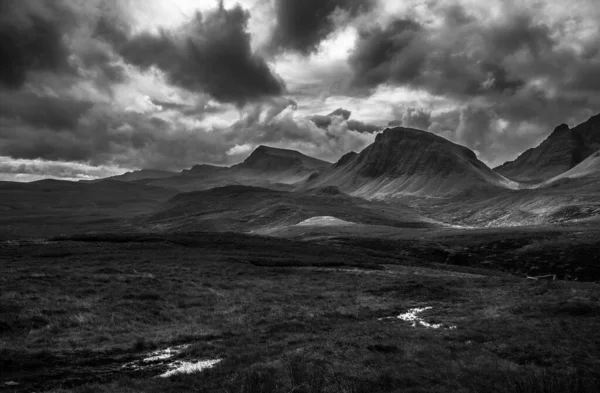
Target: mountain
270	159
406	161
561	151
203	169
142	175
265	167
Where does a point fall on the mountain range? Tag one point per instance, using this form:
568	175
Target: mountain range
401	162
265	167
406	178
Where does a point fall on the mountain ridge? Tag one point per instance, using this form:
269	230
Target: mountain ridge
562	150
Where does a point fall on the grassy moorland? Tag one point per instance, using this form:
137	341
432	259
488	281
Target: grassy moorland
285	316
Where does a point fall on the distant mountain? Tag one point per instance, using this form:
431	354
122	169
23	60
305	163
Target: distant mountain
265	167
143	174
203	169
561	151
270	159
405	161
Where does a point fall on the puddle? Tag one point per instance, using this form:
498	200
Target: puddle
412	316
90	367
182	367
162	360
164	354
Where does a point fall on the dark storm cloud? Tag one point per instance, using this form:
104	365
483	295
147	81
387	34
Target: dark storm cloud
212	54
341	112
101	59
390	54
301	25
321	121
356	125
407	52
108	135
42	111
32	39
325	121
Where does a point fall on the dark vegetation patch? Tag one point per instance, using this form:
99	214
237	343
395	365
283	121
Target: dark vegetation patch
304	321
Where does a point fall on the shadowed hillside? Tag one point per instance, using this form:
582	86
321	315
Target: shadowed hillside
52	207
588	169
240	208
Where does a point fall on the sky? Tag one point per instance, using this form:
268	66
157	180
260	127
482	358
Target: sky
94	88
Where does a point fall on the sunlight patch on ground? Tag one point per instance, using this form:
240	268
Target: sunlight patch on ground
182	367
324	221
412	316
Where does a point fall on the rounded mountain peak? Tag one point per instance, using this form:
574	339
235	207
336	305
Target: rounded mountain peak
560	129
404	151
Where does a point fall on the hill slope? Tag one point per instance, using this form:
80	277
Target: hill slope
561	151
242	208
588	168
405	161
54	207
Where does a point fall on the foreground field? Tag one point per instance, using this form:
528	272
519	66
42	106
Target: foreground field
284	316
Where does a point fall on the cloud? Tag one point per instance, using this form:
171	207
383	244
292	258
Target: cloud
240	149
355	125
301	25
325	121
412	118
54	113
31	39
211	54
390	54
278	125
31	170
409	52
344	113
